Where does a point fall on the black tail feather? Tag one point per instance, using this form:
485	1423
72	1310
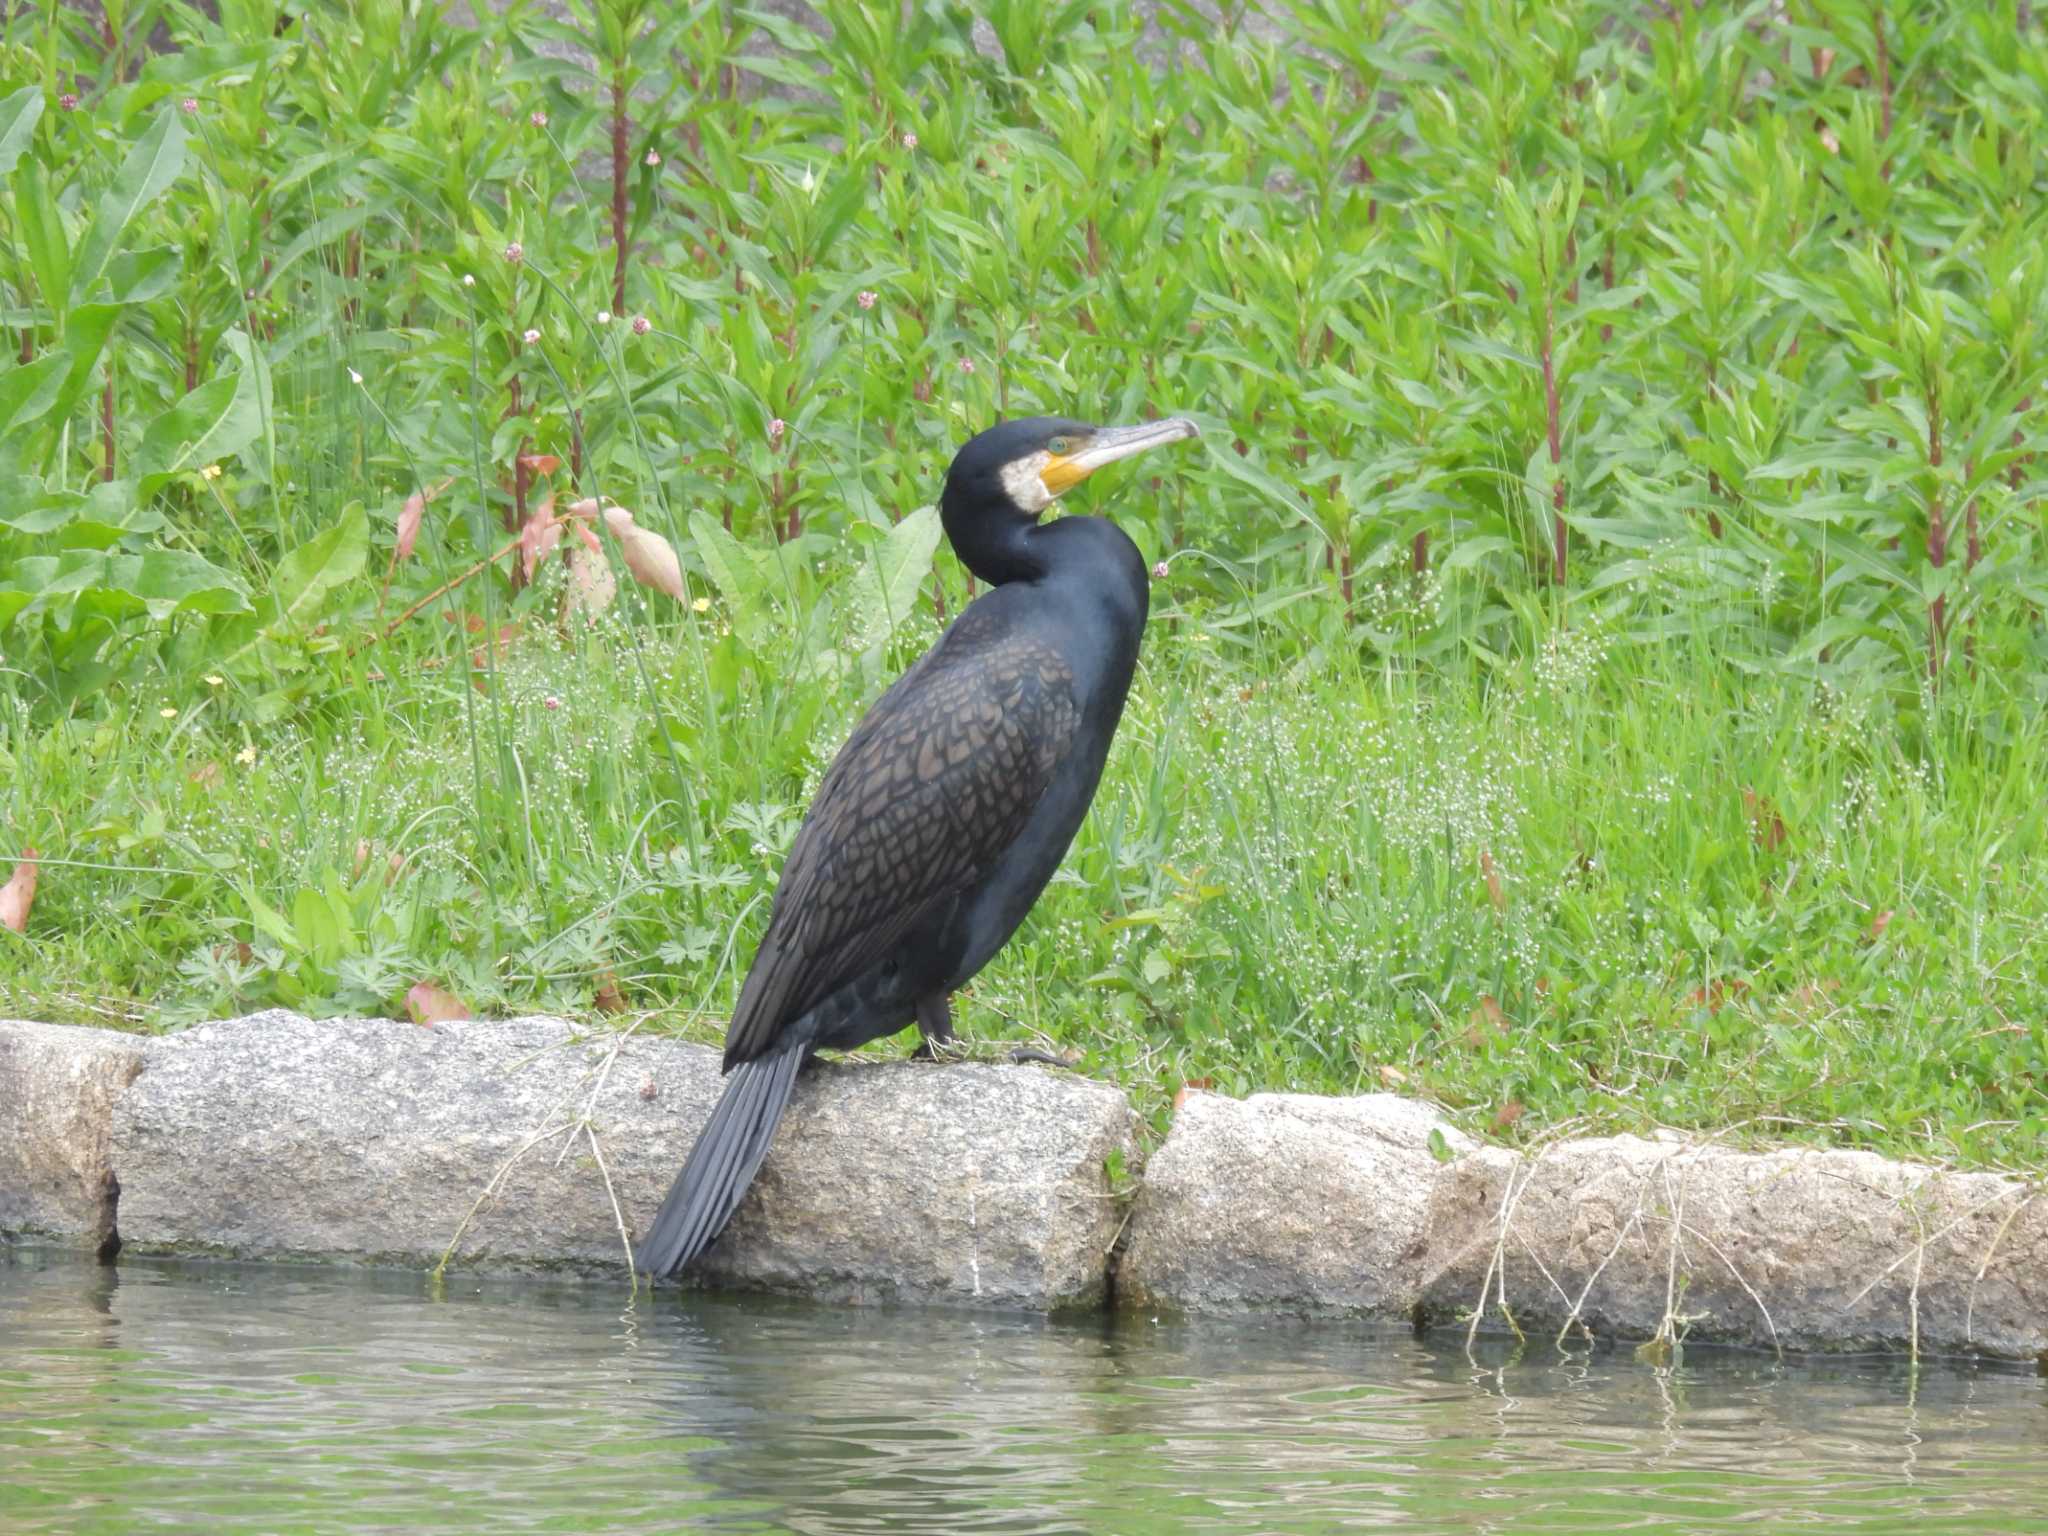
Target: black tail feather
722	1164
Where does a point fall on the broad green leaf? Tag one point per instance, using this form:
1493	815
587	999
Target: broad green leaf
256	371
885	584
152	165
136	277
85	337
18	115
25	393
41	231
303	578
98	518
750	583
159	583
220	417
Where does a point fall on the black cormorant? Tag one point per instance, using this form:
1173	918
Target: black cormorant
949	807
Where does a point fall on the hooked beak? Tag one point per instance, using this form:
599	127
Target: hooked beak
1106	445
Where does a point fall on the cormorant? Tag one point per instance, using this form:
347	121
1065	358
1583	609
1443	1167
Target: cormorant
949	807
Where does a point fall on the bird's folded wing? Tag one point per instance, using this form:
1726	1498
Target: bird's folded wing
935	783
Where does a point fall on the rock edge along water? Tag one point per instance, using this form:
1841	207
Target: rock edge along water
375	1141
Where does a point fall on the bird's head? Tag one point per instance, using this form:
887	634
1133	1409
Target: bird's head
1024	466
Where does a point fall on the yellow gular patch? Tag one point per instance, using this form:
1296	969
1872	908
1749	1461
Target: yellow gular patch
1061	474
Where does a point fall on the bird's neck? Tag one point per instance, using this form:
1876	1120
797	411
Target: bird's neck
999	545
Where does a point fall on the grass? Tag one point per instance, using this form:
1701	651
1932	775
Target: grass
1598	676
1627	884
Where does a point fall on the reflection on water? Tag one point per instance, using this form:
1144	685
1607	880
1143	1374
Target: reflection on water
231	1398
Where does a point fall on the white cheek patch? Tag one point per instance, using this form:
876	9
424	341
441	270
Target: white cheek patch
1023	485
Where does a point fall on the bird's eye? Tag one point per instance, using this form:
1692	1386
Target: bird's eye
1057	445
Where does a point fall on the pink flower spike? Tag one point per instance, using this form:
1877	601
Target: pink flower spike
68	102
776	428
551	702
515	253
1159	571
189	106
539	119
910	141
531	338
866	298
642	325
967	365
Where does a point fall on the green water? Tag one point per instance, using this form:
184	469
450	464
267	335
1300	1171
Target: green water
222	1398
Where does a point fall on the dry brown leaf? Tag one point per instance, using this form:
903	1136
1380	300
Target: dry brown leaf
592	587
1494	893
539	463
650	557
1392	1077
539	534
19	893
1191	1085
430	1005
1507	1115
206	775
608	999
1717	994
1879	923
1766	826
413	511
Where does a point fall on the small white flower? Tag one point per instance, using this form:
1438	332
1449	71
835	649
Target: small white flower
532	337
910	141
653	158
604	317
469	279
354	377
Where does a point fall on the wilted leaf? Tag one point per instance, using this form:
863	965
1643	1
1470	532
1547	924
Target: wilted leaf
1494	893
539	463
430	1005
1192	1085
1879	923
412	512
650	557
608	999
1717	994
1505	1117
591	583
1392	1077
539	534
1766	825
19	893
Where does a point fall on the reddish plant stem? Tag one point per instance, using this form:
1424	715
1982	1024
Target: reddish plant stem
28	345
620	149
1418	561
1554	429
191	352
